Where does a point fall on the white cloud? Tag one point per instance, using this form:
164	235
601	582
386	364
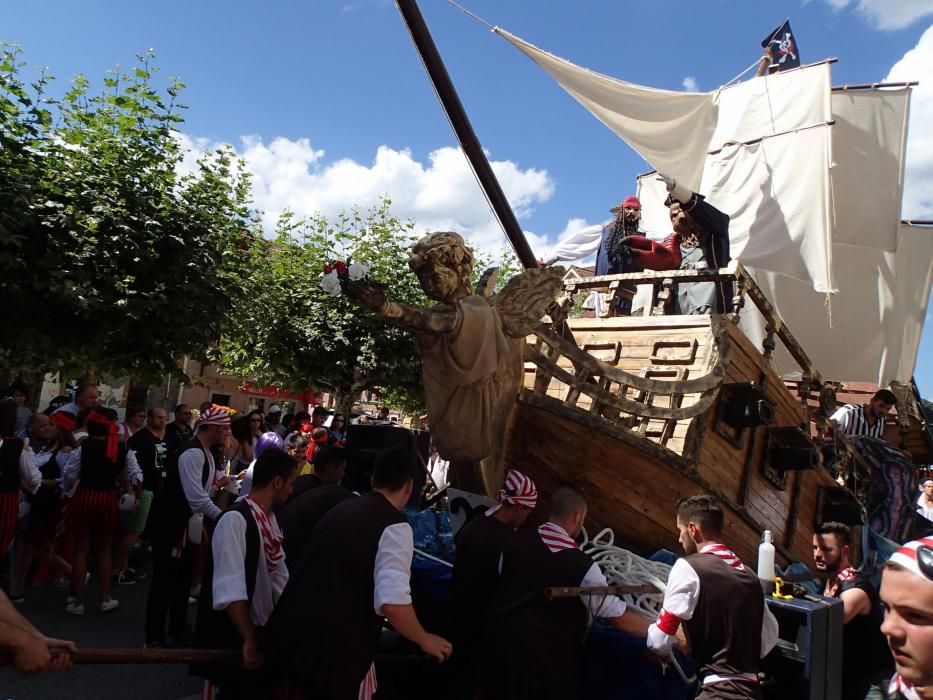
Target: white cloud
690	84
887	14
440	194
917	64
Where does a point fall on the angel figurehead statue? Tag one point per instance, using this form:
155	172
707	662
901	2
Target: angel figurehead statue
471	350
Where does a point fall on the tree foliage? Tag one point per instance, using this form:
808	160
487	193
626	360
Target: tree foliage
111	258
290	334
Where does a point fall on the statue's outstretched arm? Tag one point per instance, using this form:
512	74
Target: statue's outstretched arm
372	297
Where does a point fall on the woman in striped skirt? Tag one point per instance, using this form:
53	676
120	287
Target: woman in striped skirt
97	470
18	472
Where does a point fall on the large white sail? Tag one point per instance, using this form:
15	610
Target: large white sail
760	151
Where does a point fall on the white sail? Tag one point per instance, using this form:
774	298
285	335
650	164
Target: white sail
759	151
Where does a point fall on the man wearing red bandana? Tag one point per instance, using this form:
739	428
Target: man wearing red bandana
866	662
907	594
533	643
476	574
246	575
720	604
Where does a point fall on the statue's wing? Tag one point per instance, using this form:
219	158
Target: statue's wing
526	298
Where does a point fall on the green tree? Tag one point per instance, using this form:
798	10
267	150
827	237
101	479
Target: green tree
289	333
110	258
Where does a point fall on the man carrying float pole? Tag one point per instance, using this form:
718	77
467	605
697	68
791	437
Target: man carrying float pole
720	604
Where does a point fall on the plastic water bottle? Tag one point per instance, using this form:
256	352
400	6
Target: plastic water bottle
766	561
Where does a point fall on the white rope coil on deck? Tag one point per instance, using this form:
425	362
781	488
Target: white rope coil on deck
624	568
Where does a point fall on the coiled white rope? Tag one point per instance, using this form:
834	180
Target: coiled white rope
624	568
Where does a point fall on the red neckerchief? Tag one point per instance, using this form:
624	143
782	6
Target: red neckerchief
843	576
113	436
724	553
270	533
555	537
905	688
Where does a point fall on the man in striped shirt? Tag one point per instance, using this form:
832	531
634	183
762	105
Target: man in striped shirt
865	419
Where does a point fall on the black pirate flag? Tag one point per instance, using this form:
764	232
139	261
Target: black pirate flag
784	54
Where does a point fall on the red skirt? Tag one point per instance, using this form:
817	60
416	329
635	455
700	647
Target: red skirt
93	511
9	516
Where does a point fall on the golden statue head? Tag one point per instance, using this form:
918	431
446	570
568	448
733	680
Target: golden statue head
444	266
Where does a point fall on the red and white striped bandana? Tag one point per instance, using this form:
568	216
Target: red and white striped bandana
270	533
555	537
518	490
901	688
916	557
724	553
214	416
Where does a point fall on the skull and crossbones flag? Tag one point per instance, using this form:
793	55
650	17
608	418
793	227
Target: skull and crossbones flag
784	54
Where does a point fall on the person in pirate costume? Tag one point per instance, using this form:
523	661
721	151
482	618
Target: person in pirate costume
94	476
476	574
700	241
355	572
866	662
186	491
720	604
907	595
620	246
246	574
532	644
18	472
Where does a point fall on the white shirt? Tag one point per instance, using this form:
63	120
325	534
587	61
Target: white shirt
850	420
392	574
71	474
578	245
229	584
190	468
680	599
30	478
925	508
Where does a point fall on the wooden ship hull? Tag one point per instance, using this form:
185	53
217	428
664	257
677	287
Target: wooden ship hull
640	411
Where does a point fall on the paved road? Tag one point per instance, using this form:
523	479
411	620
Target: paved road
44	607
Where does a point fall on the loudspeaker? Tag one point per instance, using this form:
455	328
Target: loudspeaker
364	442
745	405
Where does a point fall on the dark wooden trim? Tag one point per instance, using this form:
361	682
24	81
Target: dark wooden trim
790	529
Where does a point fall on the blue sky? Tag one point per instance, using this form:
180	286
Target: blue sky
330	104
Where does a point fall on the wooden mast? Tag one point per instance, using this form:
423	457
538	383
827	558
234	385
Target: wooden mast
460	123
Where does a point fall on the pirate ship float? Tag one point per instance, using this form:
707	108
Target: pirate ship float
642	410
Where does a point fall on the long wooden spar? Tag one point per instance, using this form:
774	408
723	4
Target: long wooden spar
444	87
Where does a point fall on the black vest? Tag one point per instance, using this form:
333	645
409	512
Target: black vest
324	628
170	510
10	451
298	519
97	472
476	576
214	629
534	643
725	630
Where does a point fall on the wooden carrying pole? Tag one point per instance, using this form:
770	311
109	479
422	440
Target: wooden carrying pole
464	131
92	657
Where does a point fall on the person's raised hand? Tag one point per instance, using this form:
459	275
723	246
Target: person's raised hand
670	182
435	646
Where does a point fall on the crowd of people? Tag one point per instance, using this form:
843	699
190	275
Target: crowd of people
249	515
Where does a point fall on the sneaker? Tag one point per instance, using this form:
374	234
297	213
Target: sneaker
74	609
135	574
108	605
69	600
124	578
